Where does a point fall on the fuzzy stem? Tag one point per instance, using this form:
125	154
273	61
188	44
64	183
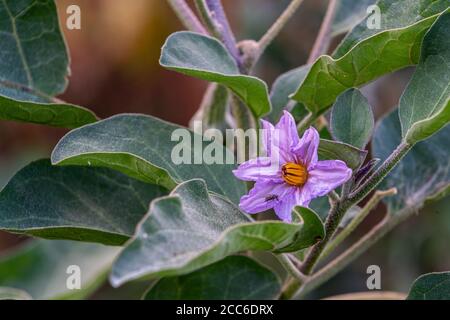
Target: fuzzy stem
373	202
222	27
186	16
205	16
324	37
331	269
338	211
291	268
276	28
305	122
346	188
365	188
290	288
241	113
320	47
331	224
334	197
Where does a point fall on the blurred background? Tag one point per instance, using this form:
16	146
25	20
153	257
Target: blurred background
115	69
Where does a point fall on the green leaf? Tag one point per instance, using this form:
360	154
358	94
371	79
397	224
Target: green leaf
312	230
395	14
51	114
13	294
34	66
421	175
431	286
352	119
33	46
425	105
191	229
348	14
333	150
141	147
282	88
206	58
234	278
299	112
324	133
40	268
74	203
366	54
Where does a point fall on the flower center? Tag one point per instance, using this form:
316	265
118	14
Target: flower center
294	174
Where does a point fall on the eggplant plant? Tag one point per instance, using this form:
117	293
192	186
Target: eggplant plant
134	198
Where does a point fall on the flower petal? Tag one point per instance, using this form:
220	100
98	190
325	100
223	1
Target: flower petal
298	196
268	130
271	138
306	149
286	133
326	176
284	208
263	196
258	168
303	196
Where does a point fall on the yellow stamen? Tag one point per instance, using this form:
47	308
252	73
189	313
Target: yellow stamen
294	174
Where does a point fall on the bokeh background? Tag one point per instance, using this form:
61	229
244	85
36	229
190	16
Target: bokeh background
115	69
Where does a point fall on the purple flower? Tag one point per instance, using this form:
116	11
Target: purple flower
290	174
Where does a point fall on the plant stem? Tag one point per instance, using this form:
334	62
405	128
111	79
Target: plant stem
186	16
305	123
376	198
334	196
347	200
333	220
218	18
241	113
320	47
339	209
289	289
365	188
291	268
205	16
276	28
346	188
324	37
331	269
